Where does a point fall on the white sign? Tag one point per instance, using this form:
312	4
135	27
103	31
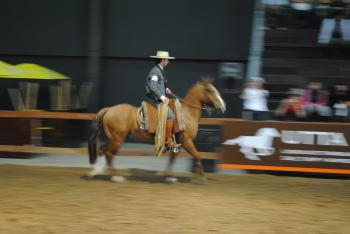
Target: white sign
261	142
252	147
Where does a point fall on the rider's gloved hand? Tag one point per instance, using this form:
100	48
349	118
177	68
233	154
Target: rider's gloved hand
165	100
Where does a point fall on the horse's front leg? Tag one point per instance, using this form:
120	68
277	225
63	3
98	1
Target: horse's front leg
191	149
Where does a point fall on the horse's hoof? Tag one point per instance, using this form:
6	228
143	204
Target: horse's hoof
118	179
201	181
92	174
97	171
171	180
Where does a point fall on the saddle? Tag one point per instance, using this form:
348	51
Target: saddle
147	116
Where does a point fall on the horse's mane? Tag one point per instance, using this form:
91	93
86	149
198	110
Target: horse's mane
199	85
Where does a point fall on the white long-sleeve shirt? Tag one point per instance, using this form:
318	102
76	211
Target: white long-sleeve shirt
255	99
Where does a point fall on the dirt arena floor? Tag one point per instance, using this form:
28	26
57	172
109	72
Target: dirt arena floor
57	200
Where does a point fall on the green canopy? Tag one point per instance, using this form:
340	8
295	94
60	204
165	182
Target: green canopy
29	71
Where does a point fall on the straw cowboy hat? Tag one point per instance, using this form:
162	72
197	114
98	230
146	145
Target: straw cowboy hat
162	54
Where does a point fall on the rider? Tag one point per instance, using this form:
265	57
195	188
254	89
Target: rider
156	89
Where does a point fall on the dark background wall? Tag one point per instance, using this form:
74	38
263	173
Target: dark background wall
192	29
40	27
55	33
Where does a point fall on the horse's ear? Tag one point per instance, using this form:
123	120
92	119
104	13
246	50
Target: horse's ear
206	80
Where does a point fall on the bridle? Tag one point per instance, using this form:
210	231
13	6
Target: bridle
208	109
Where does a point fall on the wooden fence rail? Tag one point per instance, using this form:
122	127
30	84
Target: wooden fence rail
83	151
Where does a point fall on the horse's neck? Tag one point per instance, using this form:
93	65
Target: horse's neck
192	105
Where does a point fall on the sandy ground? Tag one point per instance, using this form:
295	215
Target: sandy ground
57	200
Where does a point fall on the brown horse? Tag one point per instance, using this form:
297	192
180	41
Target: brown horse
121	120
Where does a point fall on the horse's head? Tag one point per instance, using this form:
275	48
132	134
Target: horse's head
271	132
209	95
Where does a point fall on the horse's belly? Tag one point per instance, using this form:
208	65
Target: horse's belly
143	136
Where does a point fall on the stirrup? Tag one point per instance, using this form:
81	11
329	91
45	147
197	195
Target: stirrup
172	146
172	149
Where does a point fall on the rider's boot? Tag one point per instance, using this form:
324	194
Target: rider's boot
169	140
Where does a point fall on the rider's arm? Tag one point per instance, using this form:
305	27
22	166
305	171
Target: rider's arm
156	87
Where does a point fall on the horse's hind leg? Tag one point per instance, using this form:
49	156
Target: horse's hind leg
108	150
100	165
112	150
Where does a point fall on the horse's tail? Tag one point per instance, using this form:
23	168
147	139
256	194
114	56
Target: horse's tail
94	132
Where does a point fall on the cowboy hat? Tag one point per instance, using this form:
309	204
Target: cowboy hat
162	54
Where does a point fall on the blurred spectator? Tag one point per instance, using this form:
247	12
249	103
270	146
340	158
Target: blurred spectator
291	108
275	2
255	100
315	100
335	28
301	5
339	100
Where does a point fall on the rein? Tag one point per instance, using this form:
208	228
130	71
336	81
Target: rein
206	108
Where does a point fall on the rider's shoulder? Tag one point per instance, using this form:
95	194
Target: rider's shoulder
155	70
